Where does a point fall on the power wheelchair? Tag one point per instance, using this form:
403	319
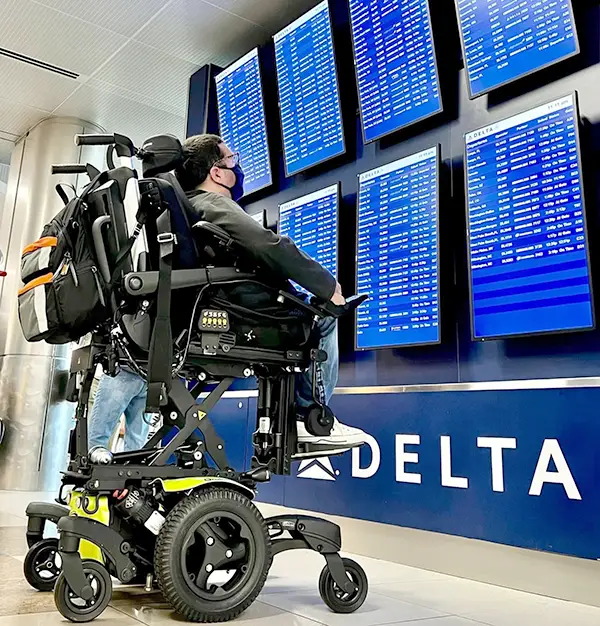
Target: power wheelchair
177	514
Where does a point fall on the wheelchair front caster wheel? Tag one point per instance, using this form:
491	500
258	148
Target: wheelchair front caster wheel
337	599
76	609
42	565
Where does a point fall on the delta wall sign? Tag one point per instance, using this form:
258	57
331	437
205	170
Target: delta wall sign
515	467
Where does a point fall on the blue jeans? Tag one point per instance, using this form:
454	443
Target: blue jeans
327	372
125	393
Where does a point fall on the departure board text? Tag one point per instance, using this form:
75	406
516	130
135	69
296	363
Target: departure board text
242	119
529	269
397	261
506	39
309	99
395	64
311	223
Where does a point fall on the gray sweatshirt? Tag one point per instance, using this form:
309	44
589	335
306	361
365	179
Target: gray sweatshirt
272	252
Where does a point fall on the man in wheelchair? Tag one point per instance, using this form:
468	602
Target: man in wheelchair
213	180
209	301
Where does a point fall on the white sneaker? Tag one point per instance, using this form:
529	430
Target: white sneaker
340	436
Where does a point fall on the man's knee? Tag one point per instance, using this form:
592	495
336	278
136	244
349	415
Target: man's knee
327	327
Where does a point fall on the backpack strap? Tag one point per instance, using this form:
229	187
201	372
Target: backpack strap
62	193
160	359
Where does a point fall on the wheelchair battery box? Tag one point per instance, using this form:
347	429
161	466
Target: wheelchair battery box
82	359
214	321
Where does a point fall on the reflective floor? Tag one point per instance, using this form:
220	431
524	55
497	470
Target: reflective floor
398	594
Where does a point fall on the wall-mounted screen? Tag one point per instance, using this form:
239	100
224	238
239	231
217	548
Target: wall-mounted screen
260	217
507	39
527	233
396	67
311	222
397	253
309	99
242	119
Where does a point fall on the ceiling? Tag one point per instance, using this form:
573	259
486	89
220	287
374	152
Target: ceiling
123	64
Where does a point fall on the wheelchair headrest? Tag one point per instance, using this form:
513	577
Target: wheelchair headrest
162	154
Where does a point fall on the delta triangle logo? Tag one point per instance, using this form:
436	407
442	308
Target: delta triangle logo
317	469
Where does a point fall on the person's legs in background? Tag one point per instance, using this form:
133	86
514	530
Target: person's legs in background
113	398
136	426
326	381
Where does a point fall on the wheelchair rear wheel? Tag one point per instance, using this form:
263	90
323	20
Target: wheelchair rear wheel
213	555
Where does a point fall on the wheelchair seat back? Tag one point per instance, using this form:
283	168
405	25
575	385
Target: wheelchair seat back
107	208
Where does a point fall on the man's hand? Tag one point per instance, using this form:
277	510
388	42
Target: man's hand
337	298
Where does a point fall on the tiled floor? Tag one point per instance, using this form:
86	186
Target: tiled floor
398	594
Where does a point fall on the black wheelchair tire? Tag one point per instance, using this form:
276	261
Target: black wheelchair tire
73	613
170	542
31	564
334	598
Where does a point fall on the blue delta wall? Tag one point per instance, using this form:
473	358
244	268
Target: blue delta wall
518	467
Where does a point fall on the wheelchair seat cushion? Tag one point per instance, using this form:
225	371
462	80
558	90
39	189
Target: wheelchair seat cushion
258	320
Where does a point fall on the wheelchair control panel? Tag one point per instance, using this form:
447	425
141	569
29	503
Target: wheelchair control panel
214	320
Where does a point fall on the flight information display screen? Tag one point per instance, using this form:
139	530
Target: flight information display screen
528	243
397	253
242	119
311	222
396	67
260	217
309	99
507	39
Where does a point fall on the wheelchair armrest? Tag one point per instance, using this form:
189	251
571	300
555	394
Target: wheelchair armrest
284	295
352	303
215	231
326	309
146	283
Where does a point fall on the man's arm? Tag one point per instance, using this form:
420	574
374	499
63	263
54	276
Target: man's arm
277	253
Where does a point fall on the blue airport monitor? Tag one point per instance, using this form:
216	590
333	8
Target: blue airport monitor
504	40
311	222
260	218
396	68
397	253
309	98
242	119
527	232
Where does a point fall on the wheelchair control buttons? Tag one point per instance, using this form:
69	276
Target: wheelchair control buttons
211	320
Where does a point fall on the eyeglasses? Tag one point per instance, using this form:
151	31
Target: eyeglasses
230	160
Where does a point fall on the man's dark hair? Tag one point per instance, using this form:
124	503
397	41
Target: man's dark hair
200	153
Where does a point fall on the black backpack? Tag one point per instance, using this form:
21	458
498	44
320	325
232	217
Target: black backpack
64	296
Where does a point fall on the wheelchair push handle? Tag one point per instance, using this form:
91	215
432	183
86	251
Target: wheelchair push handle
75	168
94	140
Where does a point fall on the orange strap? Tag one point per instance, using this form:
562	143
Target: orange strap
42	280
44	242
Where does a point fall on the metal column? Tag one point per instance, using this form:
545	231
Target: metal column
33	375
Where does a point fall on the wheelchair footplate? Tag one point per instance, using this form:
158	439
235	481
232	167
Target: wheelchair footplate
315	451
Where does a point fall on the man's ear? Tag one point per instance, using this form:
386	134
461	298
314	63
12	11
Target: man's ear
214	173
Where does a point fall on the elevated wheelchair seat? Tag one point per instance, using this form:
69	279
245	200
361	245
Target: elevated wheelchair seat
275	333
